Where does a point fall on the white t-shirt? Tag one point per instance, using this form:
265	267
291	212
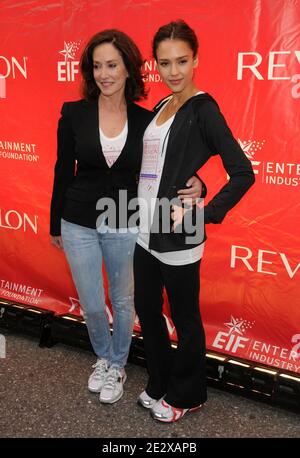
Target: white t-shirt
155	145
112	146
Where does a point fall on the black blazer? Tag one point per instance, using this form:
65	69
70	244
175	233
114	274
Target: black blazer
82	175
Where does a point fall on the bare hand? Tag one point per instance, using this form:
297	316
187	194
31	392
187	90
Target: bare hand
194	192
56	240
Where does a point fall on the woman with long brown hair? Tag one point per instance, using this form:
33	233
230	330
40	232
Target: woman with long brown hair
99	154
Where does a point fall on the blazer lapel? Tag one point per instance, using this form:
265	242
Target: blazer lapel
90	125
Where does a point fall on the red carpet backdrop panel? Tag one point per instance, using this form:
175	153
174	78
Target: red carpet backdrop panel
249	60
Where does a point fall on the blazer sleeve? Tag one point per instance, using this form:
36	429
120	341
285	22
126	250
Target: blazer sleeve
64	170
220	141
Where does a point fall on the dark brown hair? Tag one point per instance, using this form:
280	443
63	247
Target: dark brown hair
175	30
132	58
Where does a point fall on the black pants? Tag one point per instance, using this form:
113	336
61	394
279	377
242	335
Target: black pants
178	374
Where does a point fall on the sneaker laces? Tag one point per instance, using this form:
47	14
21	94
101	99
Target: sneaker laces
100	368
112	377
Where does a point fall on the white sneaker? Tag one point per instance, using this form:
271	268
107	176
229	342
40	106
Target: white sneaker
162	411
112	389
97	378
146	401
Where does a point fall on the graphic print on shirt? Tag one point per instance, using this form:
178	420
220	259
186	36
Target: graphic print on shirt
111	153
113	146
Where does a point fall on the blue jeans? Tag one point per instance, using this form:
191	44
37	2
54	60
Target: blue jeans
85	249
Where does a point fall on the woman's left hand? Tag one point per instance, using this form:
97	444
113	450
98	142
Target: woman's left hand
189	197
193	192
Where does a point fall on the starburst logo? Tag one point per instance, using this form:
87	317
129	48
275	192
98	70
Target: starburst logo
234	339
250	147
67	68
70	49
239	325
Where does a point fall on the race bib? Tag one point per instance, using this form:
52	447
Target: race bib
149	170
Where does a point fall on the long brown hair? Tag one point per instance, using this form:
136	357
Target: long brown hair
132	58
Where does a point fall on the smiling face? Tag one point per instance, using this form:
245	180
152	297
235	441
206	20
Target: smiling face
109	72
176	63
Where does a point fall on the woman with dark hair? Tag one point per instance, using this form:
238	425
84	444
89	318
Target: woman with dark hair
187	129
98	162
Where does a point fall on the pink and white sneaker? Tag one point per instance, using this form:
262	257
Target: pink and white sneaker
162	411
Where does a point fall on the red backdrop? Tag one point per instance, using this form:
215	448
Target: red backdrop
249	61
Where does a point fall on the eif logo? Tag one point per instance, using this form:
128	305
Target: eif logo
68	68
233	340
2	346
